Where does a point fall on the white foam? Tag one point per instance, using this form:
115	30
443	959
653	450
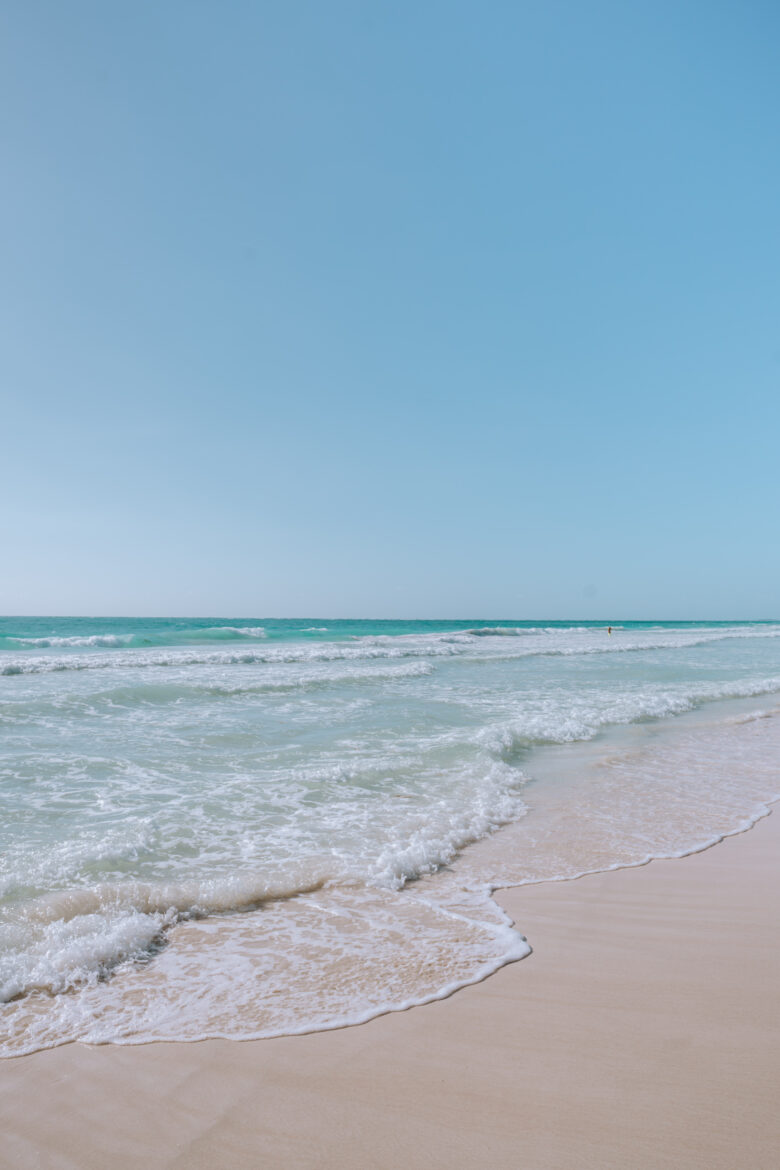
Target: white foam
344	955
150	815
550	642
70	953
321	652
108	640
112	641
545	720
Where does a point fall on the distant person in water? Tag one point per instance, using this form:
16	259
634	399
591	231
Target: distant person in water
609	630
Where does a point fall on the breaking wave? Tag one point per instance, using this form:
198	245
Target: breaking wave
113	641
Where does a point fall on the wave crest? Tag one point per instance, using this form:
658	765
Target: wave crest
117	641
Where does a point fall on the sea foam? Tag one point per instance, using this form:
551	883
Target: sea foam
298	832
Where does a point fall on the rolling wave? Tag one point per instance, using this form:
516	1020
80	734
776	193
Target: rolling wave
324	652
116	641
530	643
75	938
583	719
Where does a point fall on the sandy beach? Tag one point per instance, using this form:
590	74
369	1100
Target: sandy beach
389	631
642	1032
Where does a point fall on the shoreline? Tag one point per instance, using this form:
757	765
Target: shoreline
640	1032
435	794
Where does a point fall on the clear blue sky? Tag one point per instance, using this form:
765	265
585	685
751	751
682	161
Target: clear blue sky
421	308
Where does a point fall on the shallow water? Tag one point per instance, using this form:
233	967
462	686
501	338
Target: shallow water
252	827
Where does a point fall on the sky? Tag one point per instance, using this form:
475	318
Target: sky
400	308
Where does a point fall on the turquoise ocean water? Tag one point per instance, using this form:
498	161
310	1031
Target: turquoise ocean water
247	827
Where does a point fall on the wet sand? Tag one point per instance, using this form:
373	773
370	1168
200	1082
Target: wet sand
643	1032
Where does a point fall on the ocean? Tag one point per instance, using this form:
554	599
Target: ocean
254	827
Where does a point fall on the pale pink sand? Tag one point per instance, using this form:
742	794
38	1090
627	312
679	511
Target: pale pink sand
642	1033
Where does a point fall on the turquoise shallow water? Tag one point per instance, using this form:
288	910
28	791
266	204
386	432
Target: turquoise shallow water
268	813
31	632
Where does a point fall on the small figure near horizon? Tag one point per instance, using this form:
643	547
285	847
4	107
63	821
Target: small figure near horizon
609	630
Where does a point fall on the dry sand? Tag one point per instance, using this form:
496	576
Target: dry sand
642	1033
